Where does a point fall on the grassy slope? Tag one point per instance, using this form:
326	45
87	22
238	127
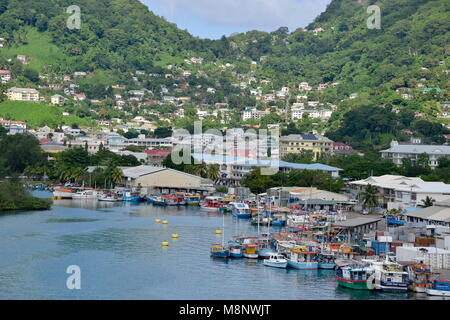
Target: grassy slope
39	49
36	114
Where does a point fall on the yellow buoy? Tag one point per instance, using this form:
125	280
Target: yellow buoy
165	244
218	231
59	198
175	235
157	220
165	222
52	198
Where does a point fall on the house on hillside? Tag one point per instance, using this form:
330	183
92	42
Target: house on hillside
23	94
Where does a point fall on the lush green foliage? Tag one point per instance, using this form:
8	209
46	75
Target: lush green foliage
13	196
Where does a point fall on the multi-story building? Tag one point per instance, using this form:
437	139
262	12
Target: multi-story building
398	151
5	76
296	143
253	113
399	192
23	94
14	127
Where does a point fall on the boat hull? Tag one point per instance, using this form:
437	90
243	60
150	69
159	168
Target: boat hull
282	265
223	255
353	284
441	293
303	265
326	266
391	286
251	255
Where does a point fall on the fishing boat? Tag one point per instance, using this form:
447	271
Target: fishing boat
63	193
419	277
250	251
240	210
192	200
211	204
303	258
131	196
265	249
218	251
354	275
171	200
86	195
276	261
236	249
439	288
158	201
110	198
326	261
389	276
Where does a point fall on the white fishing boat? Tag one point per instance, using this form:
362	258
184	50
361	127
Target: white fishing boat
240	210
63	193
388	276
276	261
86	195
110	198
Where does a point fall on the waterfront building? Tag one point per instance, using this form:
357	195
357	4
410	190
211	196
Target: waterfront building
23	94
398	151
296	143
399	192
438	215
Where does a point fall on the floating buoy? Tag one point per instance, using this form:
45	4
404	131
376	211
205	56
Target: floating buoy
165	244
218	231
165	222
52	198
157	220
175	235
59	198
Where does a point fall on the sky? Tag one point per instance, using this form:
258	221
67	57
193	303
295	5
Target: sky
214	18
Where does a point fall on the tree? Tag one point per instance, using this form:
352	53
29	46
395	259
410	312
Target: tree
369	197
427	202
213	172
116	175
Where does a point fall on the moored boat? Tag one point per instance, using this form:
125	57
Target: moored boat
303	258
63	193
218	251
439	288
389	276
326	261
354	275
276	261
250	251
236	249
240	210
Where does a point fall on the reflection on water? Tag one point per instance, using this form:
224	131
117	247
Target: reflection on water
118	248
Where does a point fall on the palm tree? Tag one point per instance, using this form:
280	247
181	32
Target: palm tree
200	169
213	172
116	175
427	202
369	197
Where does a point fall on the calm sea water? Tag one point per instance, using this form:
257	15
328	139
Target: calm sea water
118	248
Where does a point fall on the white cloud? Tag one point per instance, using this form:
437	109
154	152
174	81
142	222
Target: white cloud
251	14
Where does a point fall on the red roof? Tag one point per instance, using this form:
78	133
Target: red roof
42	141
158	153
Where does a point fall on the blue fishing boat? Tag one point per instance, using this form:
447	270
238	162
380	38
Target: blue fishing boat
131	196
240	210
439	288
326	261
218	251
158	201
303	259
236	249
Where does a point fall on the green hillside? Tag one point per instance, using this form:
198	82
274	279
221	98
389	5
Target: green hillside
36	114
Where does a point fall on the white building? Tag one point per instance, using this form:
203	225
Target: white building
253	113
412	151
23	94
399	192
5	76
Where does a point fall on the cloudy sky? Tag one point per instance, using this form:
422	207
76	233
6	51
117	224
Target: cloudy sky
214	18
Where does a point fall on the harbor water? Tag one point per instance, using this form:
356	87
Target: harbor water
118	249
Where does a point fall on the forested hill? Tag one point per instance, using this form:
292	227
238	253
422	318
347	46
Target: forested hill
124	34
413	34
114	34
